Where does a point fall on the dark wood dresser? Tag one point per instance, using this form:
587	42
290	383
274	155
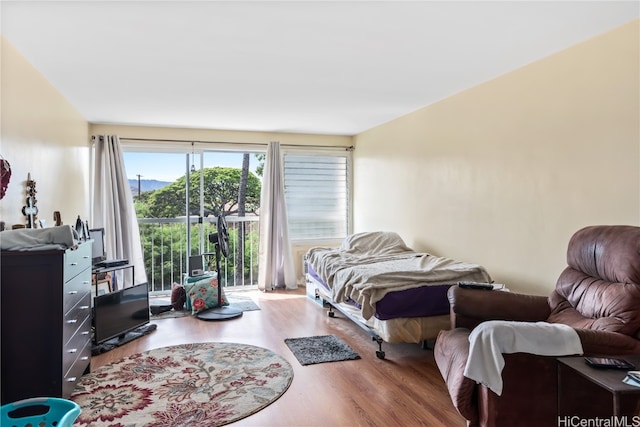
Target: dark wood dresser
45	316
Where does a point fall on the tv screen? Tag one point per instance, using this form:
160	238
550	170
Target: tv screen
119	312
98	252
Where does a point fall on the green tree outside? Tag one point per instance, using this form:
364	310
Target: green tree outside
221	189
165	245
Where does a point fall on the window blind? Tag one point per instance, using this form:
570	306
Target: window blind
317	196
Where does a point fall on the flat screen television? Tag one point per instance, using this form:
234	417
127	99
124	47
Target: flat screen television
119	312
97	248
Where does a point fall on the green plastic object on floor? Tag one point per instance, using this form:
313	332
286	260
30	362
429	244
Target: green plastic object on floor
39	411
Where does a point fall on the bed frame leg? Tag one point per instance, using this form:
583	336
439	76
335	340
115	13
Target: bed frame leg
379	353
331	313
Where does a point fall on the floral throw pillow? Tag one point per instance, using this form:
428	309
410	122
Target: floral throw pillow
203	294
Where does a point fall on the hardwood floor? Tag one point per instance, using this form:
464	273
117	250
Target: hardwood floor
405	389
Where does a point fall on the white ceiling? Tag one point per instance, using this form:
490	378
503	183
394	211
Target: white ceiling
325	67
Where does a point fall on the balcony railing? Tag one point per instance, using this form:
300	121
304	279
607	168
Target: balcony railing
164	244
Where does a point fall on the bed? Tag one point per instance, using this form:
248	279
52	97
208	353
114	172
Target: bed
393	292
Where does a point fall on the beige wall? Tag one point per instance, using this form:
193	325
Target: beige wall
503	174
43	134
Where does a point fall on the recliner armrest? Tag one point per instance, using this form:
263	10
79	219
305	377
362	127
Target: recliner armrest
605	343
470	307
451	353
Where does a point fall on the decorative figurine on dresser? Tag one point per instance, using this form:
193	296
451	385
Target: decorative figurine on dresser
30	210
45	312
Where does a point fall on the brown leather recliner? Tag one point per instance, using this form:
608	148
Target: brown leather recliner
598	294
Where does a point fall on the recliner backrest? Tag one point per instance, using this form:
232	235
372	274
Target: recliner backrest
600	288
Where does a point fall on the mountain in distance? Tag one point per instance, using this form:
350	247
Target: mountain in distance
146	185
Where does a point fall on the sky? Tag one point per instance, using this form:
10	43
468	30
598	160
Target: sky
171	166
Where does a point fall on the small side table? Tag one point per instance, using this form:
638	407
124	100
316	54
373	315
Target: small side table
113	286
588	392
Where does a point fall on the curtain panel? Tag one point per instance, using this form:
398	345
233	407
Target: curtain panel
113	208
276	268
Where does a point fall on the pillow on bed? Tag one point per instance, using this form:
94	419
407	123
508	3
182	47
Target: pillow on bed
203	294
375	242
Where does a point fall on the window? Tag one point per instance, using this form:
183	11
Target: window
317	194
168	239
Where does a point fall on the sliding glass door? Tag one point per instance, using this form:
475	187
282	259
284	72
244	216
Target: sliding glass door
179	189
179	196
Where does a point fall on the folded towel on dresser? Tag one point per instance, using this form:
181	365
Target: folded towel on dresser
38	239
489	340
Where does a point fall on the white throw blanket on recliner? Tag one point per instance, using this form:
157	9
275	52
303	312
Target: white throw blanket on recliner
491	339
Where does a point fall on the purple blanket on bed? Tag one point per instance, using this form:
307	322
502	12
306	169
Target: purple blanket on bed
416	302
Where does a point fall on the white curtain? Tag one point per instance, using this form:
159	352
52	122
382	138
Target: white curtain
276	268
113	209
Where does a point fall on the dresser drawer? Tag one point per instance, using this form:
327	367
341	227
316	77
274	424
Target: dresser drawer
77	289
77	319
76	370
76	260
77	342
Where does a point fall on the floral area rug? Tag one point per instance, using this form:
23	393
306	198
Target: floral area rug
204	385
